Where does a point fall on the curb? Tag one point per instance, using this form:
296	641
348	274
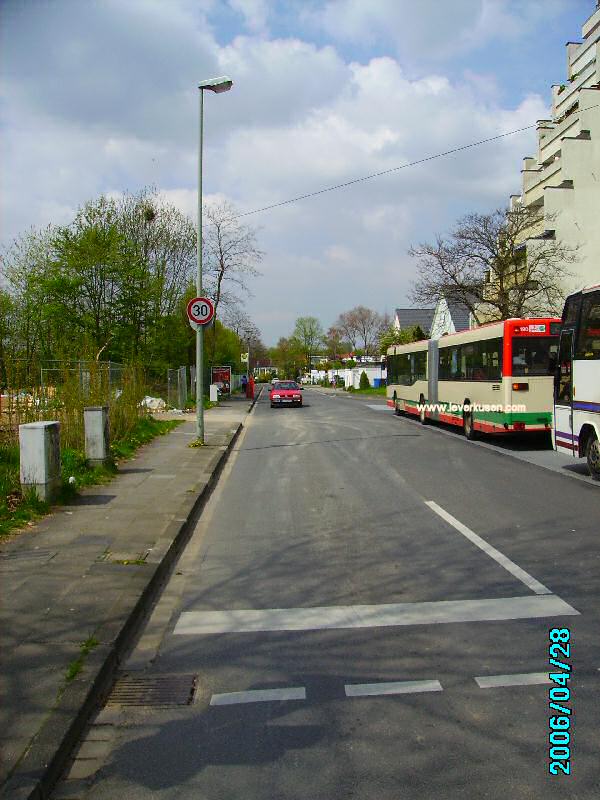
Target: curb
48	756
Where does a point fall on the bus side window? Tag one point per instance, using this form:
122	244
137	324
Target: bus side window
571	312
454	364
564	381
588	339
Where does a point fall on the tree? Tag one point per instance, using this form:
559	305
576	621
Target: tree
309	333
335	344
364	381
24	262
287	356
6	309
162	244
362	327
405	336
110	284
230	254
492	264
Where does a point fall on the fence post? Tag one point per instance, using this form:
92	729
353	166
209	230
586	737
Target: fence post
39	445
182	387
97	438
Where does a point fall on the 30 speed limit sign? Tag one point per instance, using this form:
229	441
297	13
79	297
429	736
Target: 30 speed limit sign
200	311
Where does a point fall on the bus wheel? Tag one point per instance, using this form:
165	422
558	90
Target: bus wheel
422	414
468	427
396	406
593	456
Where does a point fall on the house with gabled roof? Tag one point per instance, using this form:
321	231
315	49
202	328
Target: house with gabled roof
450	317
410	317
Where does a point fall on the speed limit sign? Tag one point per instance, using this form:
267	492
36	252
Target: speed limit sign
200	311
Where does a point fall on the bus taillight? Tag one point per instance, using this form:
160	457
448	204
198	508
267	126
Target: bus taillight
520	387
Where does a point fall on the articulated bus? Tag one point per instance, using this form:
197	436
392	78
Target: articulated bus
577	384
497	378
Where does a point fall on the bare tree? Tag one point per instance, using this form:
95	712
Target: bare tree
245	329
492	264
335	343
230	252
362	327
240	323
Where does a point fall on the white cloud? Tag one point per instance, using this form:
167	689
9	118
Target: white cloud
102	98
429	30
255	14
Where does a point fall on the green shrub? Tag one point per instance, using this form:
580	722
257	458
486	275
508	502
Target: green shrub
364	381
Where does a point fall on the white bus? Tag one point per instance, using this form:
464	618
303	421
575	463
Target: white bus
577	384
496	379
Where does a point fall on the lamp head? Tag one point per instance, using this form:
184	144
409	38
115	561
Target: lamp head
217	85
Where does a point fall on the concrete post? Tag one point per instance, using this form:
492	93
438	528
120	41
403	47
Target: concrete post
214	393
39	444
97	438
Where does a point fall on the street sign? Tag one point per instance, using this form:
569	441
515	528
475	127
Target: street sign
200	311
244	358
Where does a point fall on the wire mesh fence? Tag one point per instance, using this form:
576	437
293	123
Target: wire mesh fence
59	390
177	387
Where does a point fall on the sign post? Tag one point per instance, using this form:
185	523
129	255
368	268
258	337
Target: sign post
200	311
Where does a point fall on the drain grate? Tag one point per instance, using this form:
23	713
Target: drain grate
153	691
27	555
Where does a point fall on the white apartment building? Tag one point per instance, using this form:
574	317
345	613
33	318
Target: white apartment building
564	177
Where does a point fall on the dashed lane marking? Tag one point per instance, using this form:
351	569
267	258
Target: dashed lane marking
522	679
394	687
258	696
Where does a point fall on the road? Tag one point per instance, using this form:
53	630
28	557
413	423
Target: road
366	607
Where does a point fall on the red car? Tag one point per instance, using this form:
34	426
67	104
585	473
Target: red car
285	393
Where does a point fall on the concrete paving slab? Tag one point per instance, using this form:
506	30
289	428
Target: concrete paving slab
53	601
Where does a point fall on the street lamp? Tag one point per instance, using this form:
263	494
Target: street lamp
216	85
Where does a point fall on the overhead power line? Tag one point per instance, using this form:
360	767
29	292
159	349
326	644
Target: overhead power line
387	171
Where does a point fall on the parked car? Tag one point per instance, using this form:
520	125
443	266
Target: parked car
285	393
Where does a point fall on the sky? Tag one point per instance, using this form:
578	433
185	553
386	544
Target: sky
100	96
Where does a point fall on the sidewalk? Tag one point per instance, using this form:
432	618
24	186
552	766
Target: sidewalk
65	581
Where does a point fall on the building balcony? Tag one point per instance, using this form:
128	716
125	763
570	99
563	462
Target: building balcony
563	99
550	138
581	55
535	181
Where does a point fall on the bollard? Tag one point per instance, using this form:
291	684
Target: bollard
214	393
39	444
97	438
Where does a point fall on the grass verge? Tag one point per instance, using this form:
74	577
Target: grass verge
18	509
380	391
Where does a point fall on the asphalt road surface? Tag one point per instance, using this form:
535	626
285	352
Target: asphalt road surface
365	606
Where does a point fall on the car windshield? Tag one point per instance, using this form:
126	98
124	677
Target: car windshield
285	385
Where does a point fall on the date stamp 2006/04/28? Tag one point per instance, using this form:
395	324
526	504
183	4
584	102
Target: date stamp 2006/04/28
560	736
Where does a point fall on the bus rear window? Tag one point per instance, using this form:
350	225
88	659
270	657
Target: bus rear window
534	355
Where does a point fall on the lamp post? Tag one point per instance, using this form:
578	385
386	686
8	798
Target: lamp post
216	85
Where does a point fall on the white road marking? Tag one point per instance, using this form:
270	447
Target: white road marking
397	687
258	696
194	623
377	407
522	679
505	562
